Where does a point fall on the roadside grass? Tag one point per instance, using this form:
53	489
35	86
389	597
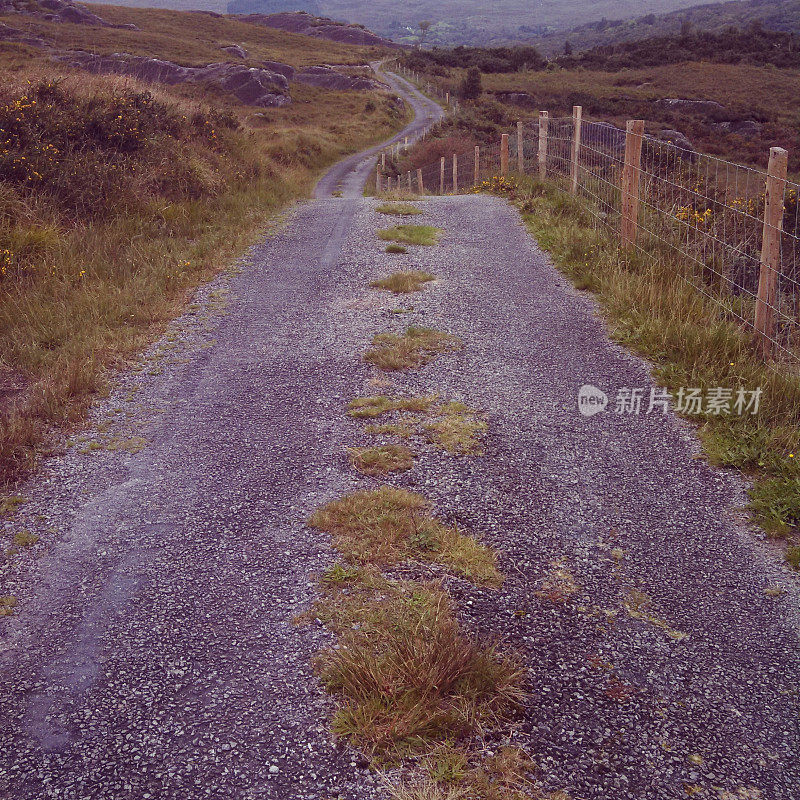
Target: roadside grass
381	460
407	676
404	282
392	352
411	234
396	249
398	209
375	406
146	192
651	309
388	526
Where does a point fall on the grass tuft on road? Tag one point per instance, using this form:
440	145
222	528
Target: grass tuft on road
457	773
457	429
381	460
411	234
404	429
387	526
398	209
417	346
403	282
370	407
407	676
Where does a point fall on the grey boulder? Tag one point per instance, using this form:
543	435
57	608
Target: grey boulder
250	85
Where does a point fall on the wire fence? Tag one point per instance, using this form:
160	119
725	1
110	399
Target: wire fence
731	231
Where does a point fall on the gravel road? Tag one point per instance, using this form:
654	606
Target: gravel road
152	652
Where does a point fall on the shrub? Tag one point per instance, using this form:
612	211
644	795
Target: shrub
471	85
86	156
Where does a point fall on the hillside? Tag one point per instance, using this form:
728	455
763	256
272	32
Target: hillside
775	15
755	45
141	151
454	22
745	106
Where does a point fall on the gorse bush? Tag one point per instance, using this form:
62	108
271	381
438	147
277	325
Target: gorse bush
86	155
73	159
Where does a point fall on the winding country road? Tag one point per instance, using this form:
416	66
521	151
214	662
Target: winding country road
153	652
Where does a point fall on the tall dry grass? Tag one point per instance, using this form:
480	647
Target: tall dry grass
146	193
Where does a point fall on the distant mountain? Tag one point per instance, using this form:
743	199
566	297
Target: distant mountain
477	22
776	15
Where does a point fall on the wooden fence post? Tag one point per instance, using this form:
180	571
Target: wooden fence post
377	180
383	159
420	184
771	249
544	122
477	177
504	155
409	180
631	171
455	174
577	116
447	98
520	153
441	175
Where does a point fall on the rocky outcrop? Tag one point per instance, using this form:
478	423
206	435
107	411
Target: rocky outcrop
252	86
740	127
329	78
57	11
9	34
680	141
281	69
698	106
235	50
309	25
266	86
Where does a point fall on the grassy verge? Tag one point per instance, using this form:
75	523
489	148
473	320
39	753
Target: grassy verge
119	198
651	309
